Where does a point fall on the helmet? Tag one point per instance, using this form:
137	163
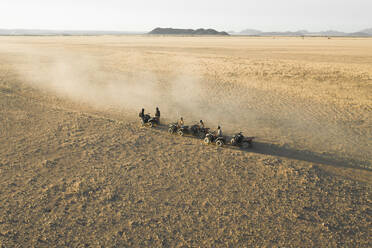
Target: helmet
218	127
201	121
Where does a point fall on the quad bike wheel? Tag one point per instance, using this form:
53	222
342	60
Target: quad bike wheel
180	133
150	124
219	143
207	141
233	142
171	130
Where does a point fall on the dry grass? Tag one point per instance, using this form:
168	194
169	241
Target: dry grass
76	169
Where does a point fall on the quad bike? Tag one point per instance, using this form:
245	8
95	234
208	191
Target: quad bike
211	138
172	128
239	140
195	130
153	121
149	121
203	132
198	131
145	119
183	130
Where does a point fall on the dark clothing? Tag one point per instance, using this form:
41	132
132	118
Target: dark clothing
157	113
146	118
142	113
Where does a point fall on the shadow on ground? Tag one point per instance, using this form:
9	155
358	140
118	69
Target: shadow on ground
291	153
309	156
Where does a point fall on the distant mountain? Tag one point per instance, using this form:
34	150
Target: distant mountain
359	34
44	32
255	32
249	31
177	31
333	33
303	31
367	31
286	33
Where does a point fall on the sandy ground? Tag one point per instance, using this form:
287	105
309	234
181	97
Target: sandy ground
77	169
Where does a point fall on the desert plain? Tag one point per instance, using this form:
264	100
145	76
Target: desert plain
78	170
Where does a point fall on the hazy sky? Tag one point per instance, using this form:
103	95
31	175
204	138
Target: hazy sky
141	15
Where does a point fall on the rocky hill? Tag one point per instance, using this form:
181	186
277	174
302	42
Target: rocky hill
177	31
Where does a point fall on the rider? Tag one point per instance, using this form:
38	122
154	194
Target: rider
142	113
202	124
144	118
157	114
219	132
180	123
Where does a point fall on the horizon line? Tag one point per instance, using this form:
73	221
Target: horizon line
142	31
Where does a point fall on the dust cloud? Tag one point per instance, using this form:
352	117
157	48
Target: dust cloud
85	79
272	117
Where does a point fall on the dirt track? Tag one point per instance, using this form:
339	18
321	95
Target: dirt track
77	169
